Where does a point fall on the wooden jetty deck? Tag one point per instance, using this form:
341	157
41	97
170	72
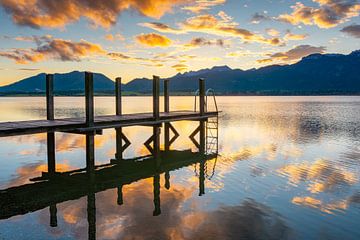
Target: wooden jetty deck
94	123
100	122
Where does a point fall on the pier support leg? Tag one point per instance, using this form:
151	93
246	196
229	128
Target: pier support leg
156	184
167	180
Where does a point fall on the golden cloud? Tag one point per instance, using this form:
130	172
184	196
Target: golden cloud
295	37
153	40
201	5
59	49
294	54
161	27
57	14
180	67
329	14
111	37
200	41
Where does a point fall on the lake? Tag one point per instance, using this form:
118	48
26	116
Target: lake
288	168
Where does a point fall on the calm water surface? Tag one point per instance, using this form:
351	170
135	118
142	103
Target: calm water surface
289	168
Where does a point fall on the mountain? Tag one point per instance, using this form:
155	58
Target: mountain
314	74
63	82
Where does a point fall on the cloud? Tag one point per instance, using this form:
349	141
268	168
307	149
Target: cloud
295	37
160	27
29	69
116	37
153	40
200	41
128	58
272	32
259	17
212	25
202	5
330	13
352	30
180	67
58	14
296	53
49	48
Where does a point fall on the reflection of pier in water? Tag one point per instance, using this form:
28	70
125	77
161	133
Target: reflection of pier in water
54	187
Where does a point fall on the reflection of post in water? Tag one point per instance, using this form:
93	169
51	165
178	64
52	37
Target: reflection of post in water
120	195
51	152
90	154
167	180
157	210
202	178
53	215
91	215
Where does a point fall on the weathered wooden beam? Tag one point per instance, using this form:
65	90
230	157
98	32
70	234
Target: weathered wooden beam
118	101
202	95
156	97
51	152
50	96
166	96
89	99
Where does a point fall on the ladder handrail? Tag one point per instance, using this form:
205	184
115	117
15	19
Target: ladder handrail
209	91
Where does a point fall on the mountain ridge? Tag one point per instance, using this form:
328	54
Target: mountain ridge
316	73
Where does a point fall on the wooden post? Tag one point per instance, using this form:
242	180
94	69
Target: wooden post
167	110
166	96
118	96
202	95
51	152
118	106
167	180
90	154
156	97
50	96
120	200
89	99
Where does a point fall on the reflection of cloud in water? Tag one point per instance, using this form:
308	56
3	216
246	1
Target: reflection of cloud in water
28	171
327	206
322	174
178	220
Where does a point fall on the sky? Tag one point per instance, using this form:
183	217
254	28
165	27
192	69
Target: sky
140	38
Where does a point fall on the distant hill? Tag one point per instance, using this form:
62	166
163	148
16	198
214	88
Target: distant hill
314	74
63	82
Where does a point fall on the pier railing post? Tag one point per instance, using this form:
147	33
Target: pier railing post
202	95
166	96
118	102
156	97
50	96
89	99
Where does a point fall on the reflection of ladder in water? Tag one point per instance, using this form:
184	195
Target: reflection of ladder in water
212	135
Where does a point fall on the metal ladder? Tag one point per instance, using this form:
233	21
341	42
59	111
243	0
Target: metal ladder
212	124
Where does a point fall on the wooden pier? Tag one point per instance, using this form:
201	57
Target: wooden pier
92	123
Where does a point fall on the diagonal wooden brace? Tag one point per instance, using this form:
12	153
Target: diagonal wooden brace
192	137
